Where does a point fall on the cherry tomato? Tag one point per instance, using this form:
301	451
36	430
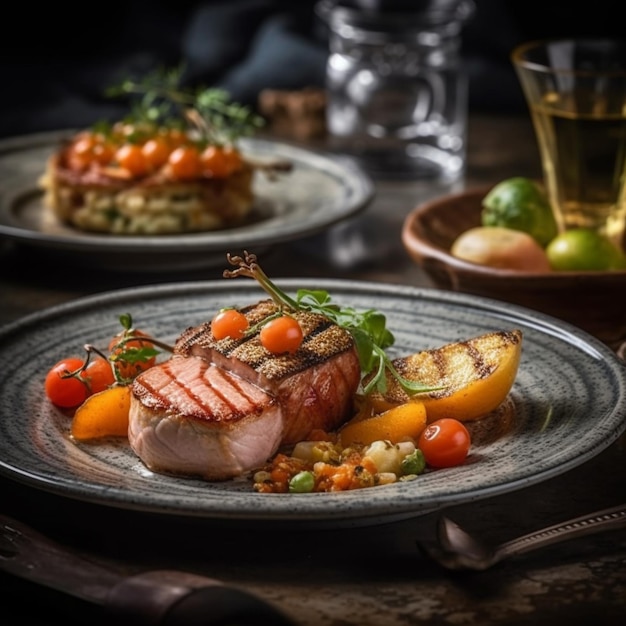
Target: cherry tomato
220	162
125	354
229	323
184	163
65	392
281	335
131	158
445	442
89	149
99	375
156	151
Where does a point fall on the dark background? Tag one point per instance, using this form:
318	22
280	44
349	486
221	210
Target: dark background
57	58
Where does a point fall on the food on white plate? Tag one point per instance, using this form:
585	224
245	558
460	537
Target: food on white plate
172	166
501	247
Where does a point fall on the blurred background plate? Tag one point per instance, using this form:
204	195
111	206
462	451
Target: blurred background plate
320	191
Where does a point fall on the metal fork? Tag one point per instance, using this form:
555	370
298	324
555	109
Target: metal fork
459	550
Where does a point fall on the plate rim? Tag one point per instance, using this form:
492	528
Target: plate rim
353	513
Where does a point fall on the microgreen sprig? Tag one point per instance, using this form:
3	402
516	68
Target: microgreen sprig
162	100
368	328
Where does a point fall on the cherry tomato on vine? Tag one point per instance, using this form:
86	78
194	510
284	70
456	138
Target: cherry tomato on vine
156	151
220	162
131	158
184	163
99	375
69	392
445	442
281	335
89	148
229	323
126	354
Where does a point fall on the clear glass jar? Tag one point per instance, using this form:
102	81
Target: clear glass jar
397	92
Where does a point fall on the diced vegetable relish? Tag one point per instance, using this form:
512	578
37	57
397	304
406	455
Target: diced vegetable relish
323	465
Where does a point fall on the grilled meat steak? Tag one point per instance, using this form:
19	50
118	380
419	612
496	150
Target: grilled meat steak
191	417
188	398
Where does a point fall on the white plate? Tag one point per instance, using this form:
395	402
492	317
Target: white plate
320	191
569	399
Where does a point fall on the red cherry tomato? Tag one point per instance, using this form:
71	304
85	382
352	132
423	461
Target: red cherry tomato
229	323
445	443
63	392
126	354
99	375
281	335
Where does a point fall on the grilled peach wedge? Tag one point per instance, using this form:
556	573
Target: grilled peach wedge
475	377
104	414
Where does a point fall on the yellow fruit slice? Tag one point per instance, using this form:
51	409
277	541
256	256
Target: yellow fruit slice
395	425
103	414
476	376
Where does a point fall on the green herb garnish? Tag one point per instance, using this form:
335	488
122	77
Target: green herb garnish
368	328
162	101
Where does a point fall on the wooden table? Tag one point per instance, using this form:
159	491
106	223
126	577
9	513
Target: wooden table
367	576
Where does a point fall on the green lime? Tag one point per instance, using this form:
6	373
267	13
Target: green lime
521	204
584	249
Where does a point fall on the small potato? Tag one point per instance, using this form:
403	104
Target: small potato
501	247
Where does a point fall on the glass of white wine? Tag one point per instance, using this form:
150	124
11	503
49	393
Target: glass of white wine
576	93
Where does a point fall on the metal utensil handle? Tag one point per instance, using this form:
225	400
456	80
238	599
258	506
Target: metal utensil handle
607	519
28	554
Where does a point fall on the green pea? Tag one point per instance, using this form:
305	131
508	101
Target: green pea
302	482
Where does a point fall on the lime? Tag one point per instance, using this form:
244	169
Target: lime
584	249
521	204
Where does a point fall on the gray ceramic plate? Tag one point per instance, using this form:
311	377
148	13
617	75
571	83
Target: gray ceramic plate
569	403
321	190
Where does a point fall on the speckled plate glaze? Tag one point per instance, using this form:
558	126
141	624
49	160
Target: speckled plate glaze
321	190
568	404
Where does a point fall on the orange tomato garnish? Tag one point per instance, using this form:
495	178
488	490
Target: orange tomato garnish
229	323
130	156
89	149
281	335
123	352
156	152
220	162
184	163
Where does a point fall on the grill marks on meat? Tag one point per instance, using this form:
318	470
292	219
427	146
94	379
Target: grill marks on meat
189	416
315	387
240	401
322	341
195	388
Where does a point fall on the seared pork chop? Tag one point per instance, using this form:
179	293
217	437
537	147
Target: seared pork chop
315	387
218	409
191	417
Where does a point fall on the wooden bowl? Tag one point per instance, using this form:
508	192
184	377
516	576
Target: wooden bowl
592	301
